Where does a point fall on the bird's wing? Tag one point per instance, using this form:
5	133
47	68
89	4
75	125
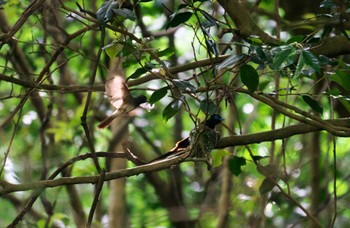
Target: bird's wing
116	90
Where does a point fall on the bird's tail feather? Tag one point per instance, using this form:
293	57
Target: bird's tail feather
106	122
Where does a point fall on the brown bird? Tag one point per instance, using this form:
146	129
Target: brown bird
119	95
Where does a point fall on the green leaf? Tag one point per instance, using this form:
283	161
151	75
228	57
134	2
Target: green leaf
210	19
266	186
184	85
296	39
313	104
128	48
171	109
249	77
327	4
181	6
166	52
231	60
284	57
124	14
342	78
207	106
141	71
105	13
311	60
217	156
235	165
327	29
178	18
158	95
258	157
300	66
212	46
138	72
111	49
345	34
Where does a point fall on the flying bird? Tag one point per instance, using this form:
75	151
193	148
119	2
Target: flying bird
119	96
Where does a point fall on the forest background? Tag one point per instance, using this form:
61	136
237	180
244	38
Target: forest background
277	71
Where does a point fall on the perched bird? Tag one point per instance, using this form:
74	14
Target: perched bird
184	143
119	96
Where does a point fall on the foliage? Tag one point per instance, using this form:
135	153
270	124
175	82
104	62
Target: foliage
277	73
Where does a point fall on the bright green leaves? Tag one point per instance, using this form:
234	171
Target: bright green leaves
249	77
111	49
235	165
313	104
217	156
110	11
178	18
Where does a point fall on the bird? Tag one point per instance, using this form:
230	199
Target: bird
186	142
119	96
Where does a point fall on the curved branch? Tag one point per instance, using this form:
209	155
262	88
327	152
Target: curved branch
268	136
155	166
236	140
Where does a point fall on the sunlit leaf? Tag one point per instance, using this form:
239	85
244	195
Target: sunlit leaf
111	49
313	104
158	95
178	18
249	77
217	156
235	165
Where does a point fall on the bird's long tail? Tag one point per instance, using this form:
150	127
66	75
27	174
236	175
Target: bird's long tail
106	122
